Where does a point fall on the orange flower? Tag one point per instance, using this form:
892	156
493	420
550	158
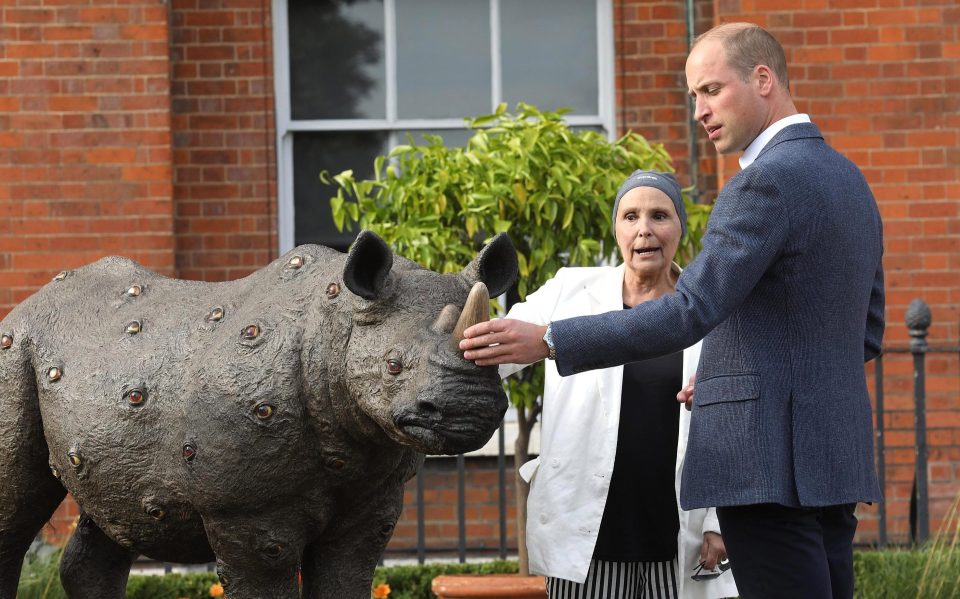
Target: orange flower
216	590
381	591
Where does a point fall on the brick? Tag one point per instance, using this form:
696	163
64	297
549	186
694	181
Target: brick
881	53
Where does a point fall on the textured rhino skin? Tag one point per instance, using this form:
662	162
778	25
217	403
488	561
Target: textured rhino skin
267	423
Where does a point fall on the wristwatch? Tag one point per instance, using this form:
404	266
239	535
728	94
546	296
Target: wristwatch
548	339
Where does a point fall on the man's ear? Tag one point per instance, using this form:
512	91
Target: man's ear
764	78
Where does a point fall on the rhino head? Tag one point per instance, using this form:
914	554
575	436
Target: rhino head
403	367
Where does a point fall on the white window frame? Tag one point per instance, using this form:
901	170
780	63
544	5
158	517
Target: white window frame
286	126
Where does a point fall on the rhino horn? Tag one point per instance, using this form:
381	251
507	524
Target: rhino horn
447	319
477	309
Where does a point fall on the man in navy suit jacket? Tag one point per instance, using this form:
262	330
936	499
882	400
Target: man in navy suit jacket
788	297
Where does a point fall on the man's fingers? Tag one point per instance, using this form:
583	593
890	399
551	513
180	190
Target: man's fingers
482	340
484	328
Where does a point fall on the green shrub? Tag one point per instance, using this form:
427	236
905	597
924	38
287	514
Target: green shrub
40	578
907	574
931	573
413	582
171	586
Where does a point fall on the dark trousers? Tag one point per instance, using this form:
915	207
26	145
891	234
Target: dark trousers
779	552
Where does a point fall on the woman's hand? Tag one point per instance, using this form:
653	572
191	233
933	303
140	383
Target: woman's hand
685	396
712	551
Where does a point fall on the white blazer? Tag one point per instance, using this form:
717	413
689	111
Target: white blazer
570	480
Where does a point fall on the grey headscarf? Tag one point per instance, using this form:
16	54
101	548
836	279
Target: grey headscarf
665	182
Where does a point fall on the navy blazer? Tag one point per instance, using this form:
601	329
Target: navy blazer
787	294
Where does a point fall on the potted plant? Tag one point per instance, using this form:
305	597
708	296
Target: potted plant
527	174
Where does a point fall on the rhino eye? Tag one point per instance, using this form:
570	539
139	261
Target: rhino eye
264	411
394	366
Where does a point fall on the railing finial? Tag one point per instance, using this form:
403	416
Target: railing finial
918	319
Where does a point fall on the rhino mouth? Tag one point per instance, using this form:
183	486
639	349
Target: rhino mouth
436	433
424	436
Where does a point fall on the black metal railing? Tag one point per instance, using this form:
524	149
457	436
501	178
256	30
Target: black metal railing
918	321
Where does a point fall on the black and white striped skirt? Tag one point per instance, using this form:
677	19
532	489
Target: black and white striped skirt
619	580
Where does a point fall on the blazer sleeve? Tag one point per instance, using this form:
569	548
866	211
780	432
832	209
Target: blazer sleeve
873	335
537	309
745	235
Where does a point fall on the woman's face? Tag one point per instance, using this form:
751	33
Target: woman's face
648	231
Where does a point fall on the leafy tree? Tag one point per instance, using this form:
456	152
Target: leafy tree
527	174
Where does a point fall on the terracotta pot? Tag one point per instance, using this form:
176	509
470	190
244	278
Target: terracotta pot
489	586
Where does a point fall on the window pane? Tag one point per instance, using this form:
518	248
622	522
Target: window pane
336	59
452	138
333	152
549	54
443	58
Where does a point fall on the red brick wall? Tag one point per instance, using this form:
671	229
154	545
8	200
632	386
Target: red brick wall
85	167
881	83
441	528
223	136
651	51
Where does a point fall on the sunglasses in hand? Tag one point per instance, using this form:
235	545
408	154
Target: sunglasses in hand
699	573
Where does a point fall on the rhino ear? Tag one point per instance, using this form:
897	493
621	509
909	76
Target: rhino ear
368	265
496	265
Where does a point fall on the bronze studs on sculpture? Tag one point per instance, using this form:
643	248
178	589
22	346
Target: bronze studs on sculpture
189	452
6	341
74	456
63	274
394	366
136	397
134	290
295	262
54	374
264	411
333	290
54	471
134	327
335	463
251	331
215	315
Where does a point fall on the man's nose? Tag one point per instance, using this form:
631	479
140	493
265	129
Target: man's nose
700	108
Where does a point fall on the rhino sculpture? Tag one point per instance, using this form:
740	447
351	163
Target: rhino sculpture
267	423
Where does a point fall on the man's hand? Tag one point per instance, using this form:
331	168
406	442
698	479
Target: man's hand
712	551
685	396
504	341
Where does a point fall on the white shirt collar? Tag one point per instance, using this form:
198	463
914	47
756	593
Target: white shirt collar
753	150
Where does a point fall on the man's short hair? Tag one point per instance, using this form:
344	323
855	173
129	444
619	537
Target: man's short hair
748	45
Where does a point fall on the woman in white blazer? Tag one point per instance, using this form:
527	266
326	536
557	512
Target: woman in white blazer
580	422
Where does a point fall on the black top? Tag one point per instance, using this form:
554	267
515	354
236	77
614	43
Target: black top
640	521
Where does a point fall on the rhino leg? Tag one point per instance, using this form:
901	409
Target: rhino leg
340	564
25	510
29	492
93	565
257	553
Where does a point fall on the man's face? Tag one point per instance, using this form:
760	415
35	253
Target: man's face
732	111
